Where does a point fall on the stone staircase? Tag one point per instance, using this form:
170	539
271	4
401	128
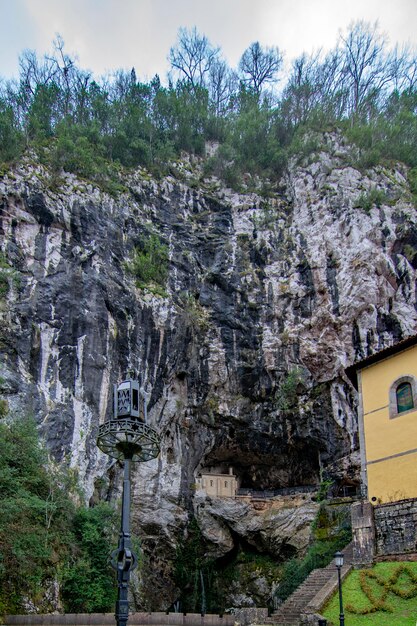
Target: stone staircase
311	595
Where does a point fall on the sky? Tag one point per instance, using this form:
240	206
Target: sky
107	35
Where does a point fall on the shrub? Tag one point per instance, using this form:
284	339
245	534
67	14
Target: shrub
287	396
43	535
412	181
373	197
149	264
35	513
11	138
88	582
319	554
8	275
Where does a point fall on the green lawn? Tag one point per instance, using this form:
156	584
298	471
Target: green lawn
381	589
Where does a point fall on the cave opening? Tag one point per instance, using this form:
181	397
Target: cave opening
262	462
284	467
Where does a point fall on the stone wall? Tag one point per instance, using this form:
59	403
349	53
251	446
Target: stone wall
363	533
385	530
396	527
250	615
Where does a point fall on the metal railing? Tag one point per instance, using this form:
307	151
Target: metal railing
346	491
264	494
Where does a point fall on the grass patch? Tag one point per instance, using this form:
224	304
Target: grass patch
386	595
371	198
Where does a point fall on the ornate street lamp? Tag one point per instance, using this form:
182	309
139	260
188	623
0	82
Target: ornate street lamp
338	559
128	438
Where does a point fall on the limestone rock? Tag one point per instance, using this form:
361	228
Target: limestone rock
243	354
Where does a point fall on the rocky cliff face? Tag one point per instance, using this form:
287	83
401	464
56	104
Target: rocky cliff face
270	295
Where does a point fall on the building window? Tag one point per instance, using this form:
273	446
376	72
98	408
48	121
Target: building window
225	483
211	483
402	395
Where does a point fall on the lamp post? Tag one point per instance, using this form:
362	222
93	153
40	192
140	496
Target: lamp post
338	559
127	438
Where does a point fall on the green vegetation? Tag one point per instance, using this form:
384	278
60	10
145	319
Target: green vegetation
44	534
194	572
361	89
4	276
7	274
287	396
373	197
4	285
149	264
412	181
248	567
194	316
323	489
206	583
11	137
87	582
382	596
332	532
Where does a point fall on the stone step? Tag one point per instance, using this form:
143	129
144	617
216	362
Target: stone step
289	613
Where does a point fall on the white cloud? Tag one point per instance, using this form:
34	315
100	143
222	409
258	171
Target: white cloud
307	25
109	34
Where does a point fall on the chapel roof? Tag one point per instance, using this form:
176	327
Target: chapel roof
352	370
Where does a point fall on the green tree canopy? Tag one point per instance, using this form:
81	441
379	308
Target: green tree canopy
44	534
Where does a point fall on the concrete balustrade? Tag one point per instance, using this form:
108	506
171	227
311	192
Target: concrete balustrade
135	619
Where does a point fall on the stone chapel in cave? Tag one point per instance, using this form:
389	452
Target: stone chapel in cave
218	484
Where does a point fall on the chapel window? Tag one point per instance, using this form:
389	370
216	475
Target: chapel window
404	396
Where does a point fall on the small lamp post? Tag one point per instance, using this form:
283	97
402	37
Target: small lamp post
338	559
127	437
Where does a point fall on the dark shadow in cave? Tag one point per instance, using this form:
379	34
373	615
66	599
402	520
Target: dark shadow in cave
269	469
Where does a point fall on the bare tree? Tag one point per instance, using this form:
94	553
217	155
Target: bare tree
193	56
404	69
367	67
410	74
121	85
34	73
301	92
222	83
355	77
58	69
66	71
260	66
315	82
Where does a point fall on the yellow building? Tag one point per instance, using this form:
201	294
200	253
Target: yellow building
217	484
387	386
